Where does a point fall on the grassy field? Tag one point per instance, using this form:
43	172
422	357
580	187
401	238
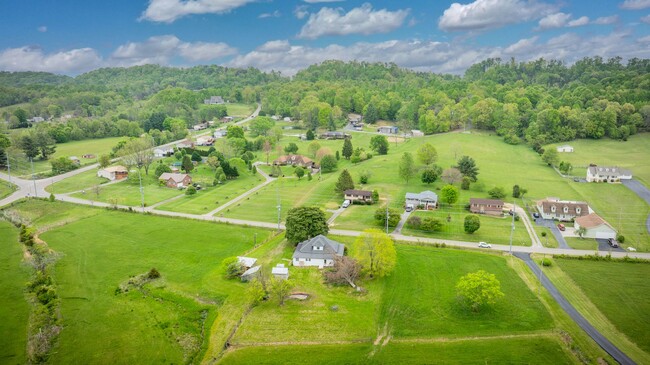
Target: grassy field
613	296
493	229
20	165
6	188
162	323
84	180
240	110
420	300
14	310
631	154
212	197
544	349
128	192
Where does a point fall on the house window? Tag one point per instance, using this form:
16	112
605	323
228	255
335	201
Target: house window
578	210
566	210
553	208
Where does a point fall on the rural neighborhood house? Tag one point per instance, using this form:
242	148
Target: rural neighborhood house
595	226
562	210
359	196
424	200
113	173
609	174
319	251
172	180
486	206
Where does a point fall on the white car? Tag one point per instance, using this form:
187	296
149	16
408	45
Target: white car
484	245
346	203
630	248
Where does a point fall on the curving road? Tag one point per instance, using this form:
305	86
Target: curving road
603	342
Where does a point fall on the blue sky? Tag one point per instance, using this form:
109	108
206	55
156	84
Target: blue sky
75	36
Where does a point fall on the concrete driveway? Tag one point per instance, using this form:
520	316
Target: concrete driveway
402	221
604	246
556	232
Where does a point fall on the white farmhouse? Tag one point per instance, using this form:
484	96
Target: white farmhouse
319	251
565	148
595	226
113	173
607	174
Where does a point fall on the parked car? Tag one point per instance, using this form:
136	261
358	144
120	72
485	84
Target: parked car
409	207
535	215
612	242
346	203
484	245
561	227
576	179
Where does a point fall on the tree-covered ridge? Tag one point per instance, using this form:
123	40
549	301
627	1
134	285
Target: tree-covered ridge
17	79
537	102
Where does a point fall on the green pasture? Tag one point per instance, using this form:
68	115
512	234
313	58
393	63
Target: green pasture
212	197
493	229
420	301
14	309
20	165
127	192
632	154
85	180
544	349
613	296
165	322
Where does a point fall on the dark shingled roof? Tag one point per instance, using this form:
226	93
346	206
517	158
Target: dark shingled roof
330	249
365	193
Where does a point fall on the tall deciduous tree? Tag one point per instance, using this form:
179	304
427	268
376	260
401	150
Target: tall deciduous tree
138	152
304	223
551	157
260	126
347	148
478	289
427	154
28	146
344	182
346	270
467	167
379	144
431	174
449	194
300	172
376	252
328	163
291	148
407	167
452	175
104	160
280	288
472	223
313	147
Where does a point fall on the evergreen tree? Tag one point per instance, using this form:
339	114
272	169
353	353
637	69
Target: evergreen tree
344	182
467	167
347	148
187	164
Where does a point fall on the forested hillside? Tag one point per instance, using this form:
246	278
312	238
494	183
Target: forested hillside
534	102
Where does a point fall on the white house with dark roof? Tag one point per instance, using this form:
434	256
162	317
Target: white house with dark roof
425	200
610	174
319	251
562	210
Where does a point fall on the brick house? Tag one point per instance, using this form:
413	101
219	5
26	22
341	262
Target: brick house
172	180
359	196
486	206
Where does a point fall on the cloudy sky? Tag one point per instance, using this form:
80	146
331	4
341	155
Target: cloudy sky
75	36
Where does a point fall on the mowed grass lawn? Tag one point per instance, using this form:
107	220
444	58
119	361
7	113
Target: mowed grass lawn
493	229
100	252
239	109
420	301
14	309
127	192
632	154
84	180
620	291
5	189
543	349
97	147
212	197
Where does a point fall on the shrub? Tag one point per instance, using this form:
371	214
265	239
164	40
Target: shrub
414	222
497	193
431	224
543	234
191	190
620	238
153	273
546	262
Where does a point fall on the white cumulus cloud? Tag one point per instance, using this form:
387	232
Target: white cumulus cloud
160	49
361	20
556	20
34	59
168	11
583	20
275	14
606	20
488	14
635	4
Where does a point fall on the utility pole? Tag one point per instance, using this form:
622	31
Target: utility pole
141	190
279	206
8	168
387	216
514	211
33	178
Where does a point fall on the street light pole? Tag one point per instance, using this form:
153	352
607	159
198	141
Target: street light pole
512	230
31	160
141	190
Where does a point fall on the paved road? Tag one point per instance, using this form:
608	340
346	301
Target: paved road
642	192
603	342
556	232
403	218
523	215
